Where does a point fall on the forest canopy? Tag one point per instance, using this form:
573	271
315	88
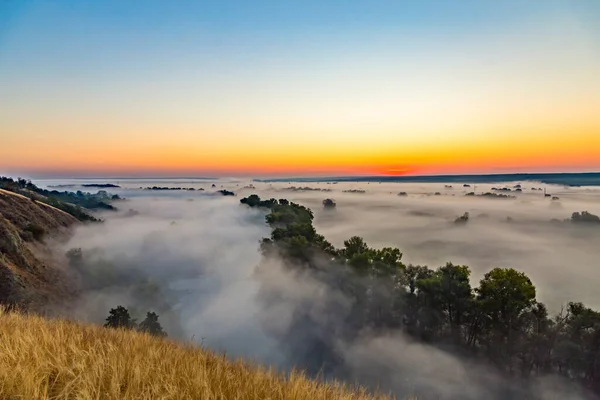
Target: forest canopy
73	203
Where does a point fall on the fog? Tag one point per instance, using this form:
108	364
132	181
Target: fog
561	260
199	254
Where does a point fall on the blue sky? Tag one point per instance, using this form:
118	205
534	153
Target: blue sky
47	38
100	31
169	76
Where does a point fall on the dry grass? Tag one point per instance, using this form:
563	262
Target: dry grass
53	359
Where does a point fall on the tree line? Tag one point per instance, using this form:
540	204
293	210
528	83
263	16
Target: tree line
499	322
74	203
119	317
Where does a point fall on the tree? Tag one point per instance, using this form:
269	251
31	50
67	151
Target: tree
253	200
354	246
578	346
410	301
151	325
448	291
504	296
412	274
585	218
119	318
536	349
463	219
75	257
387	261
328	203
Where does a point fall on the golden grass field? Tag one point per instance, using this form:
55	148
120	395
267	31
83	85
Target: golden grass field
56	359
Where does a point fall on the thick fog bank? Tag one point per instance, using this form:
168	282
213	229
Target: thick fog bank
192	257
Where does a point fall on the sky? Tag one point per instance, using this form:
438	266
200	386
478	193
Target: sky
270	88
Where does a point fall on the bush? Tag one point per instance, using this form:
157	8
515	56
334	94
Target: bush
463	219
329	203
34	231
585	218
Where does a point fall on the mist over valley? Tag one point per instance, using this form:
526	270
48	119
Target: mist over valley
193	256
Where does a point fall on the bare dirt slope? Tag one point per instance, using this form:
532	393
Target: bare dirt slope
27	277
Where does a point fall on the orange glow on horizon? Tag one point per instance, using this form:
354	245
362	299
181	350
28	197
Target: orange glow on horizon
520	97
481	157
455	153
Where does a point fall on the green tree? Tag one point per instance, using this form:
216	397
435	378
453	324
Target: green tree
151	325
504	297
535	350
448	294
329	203
578	348
253	200
119	318
354	246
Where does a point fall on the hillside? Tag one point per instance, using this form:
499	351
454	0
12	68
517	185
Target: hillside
27	276
75	203
55	359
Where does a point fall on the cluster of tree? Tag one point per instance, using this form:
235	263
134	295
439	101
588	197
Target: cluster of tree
101	185
505	189
306	189
255	201
492	195
354	191
226	192
72	203
170	188
329	203
499	322
585	217
119	318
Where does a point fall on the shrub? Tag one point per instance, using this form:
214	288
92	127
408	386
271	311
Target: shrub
329	203
36	231
463	219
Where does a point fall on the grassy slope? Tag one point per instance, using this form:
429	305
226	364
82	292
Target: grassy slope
53	359
25	277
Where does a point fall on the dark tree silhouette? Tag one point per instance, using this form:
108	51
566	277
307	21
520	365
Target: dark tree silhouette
585	217
151	325
463	219
252	200
119	318
329	203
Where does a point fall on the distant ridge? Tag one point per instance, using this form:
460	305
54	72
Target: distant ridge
567	179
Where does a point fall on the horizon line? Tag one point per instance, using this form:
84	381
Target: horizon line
321	177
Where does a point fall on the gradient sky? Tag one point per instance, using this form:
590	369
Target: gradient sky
305	87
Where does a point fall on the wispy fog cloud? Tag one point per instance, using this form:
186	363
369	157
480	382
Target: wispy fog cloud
192	257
